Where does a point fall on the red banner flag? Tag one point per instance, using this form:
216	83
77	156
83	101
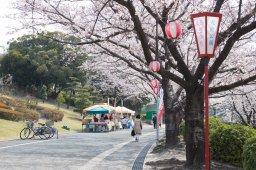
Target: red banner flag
160	114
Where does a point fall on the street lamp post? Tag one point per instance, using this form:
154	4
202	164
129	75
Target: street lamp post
206	28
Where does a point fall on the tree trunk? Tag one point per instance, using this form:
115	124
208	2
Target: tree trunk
171	117
194	128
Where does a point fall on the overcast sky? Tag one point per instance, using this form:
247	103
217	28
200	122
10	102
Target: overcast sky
5	23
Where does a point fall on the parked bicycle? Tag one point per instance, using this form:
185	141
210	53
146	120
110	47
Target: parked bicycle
30	131
54	131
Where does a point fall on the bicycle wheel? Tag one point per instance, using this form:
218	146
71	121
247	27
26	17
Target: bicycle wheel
45	133
25	133
48	133
54	132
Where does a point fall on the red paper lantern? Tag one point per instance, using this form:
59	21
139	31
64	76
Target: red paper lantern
173	30
154	84
154	66
156	90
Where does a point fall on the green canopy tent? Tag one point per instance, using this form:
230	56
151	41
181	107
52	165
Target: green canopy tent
100	106
98	110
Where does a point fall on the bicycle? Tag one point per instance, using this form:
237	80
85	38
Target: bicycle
30	132
53	129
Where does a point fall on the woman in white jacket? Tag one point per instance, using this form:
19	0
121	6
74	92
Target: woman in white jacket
137	127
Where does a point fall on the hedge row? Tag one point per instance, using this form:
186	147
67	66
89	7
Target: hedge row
15	115
29	110
231	143
28	114
50	114
34	106
4	106
10	114
12	102
227	143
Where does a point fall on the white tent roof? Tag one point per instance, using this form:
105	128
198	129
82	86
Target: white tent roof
120	110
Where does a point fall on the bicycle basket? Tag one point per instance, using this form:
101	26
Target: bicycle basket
49	123
29	124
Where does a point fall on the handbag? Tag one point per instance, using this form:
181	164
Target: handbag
132	132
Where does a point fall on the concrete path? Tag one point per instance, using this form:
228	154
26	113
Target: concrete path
78	151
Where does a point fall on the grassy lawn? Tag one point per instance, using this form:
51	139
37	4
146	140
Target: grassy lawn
11	129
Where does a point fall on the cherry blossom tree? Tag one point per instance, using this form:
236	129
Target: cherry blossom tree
130	34
239	105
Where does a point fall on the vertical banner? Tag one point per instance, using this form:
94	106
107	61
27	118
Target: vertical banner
160	106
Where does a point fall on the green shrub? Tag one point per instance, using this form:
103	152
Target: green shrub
249	154
214	123
227	143
8	114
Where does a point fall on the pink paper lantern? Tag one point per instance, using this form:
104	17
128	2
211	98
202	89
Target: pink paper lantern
173	30
154	84
154	66
156	90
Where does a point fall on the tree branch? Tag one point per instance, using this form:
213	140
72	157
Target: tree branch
234	26
237	112
138	27
218	5
231	86
227	48
128	62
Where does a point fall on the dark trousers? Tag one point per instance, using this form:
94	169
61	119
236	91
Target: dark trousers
154	125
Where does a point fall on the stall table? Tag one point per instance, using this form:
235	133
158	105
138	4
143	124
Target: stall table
96	126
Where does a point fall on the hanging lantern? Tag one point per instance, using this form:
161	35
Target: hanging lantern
173	30
154	85
156	90
154	66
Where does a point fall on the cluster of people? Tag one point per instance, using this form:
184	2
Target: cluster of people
107	122
125	123
113	124
103	118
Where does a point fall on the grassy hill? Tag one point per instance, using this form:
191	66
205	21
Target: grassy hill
11	129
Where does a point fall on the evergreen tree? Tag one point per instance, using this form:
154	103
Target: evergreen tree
43	93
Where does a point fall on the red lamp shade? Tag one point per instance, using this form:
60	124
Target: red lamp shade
206	27
173	30
154	66
154	84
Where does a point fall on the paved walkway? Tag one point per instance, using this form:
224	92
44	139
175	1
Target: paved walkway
78	151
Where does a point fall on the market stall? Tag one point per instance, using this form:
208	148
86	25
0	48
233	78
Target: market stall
100	121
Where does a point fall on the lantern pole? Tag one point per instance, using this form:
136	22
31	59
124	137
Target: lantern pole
206	51
157	96
206	90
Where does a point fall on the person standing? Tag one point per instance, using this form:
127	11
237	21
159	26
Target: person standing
124	122
137	127
154	121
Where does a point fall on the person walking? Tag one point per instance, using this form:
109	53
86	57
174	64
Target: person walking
154	121
137	127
